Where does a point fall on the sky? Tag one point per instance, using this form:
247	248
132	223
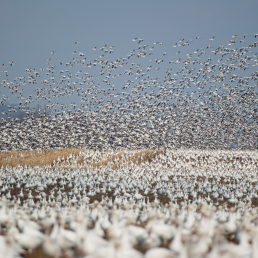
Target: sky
31	30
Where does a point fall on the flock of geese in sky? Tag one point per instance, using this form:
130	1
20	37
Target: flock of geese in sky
168	162
157	96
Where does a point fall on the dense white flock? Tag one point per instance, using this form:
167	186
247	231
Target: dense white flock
184	203
156	96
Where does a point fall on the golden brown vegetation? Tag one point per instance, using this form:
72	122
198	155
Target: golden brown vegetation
49	157
139	157
105	162
35	157
71	158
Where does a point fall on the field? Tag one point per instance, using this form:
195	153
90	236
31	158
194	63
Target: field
128	203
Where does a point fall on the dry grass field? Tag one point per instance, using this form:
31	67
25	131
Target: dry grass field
71	158
35	157
50	157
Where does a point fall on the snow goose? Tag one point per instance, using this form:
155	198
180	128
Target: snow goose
232	199
21	193
105	223
150	240
88	242
30	238
137	232
137	196
49	245
30	195
3	215
128	252
231	225
176	244
66	239
9	248
159	252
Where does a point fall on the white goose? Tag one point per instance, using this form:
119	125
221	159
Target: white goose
66	239
176	244
50	246
30	238
137	196
9	248
159	252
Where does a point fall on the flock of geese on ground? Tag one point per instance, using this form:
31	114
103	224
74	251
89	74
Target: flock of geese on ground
157	96
184	203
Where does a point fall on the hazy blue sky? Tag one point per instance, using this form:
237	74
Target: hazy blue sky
31	30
